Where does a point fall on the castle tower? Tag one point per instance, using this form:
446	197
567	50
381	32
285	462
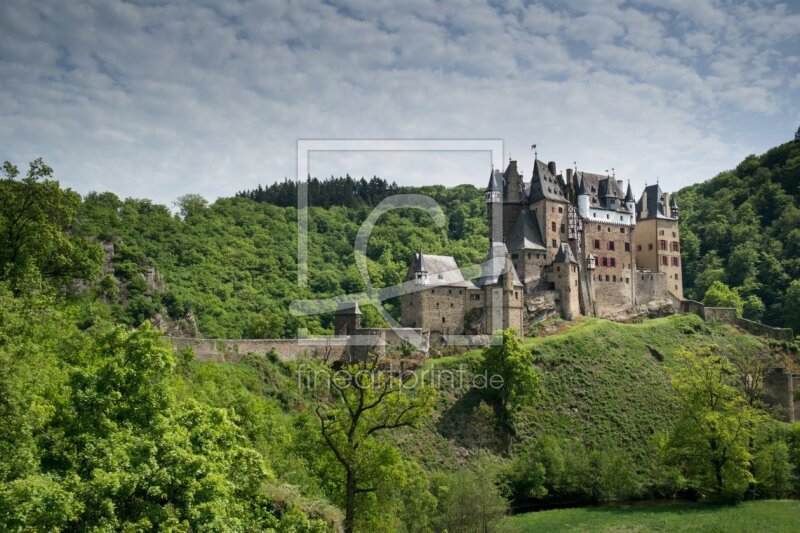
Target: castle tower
494	205
630	202
564	274
658	237
347	319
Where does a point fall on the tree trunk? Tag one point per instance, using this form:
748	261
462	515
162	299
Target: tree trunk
350	503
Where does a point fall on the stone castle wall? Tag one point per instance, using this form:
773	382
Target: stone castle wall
232	350
650	286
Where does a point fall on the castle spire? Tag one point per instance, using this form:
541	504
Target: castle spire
629	194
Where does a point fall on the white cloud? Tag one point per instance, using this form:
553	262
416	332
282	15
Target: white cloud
160	100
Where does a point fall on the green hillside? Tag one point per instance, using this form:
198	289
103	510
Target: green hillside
742	227
604	385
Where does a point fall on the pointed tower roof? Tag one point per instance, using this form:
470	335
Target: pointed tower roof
629	194
526	235
495	179
420	262
672	203
581	185
565	255
497	266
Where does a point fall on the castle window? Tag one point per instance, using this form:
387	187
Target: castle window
674	261
661	232
676	287
614	278
451	305
449	291
638	247
437	305
441	276
627	280
675	246
621	219
613	263
555	244
598	227
608	216
597	244
606	277
673	234
611	245
433	291
622	230
604	262
553	226
443	320
560	209
529	255
627	247
514	256
650	246
664	260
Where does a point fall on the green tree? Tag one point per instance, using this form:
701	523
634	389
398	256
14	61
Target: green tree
753	308
470	499
36	224
511	376
791	306
720	295
362	401
715	426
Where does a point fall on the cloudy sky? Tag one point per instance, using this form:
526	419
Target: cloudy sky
156	99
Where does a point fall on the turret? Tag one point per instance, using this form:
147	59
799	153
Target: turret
493	190
347	318
420	270
630	203
673	207
583	198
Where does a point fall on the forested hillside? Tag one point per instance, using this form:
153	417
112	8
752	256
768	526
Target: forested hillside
742	228
234	262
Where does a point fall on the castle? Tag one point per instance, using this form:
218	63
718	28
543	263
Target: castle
572	243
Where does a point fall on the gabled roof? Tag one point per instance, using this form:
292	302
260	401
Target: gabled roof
526	235
442	270
565	255
544	185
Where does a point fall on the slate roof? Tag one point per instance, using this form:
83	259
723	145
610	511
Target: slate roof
442	270
493	270
544	185
526	235
601	189
495	181
655	204
565	255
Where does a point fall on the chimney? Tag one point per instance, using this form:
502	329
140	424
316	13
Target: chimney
551	166
667	210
